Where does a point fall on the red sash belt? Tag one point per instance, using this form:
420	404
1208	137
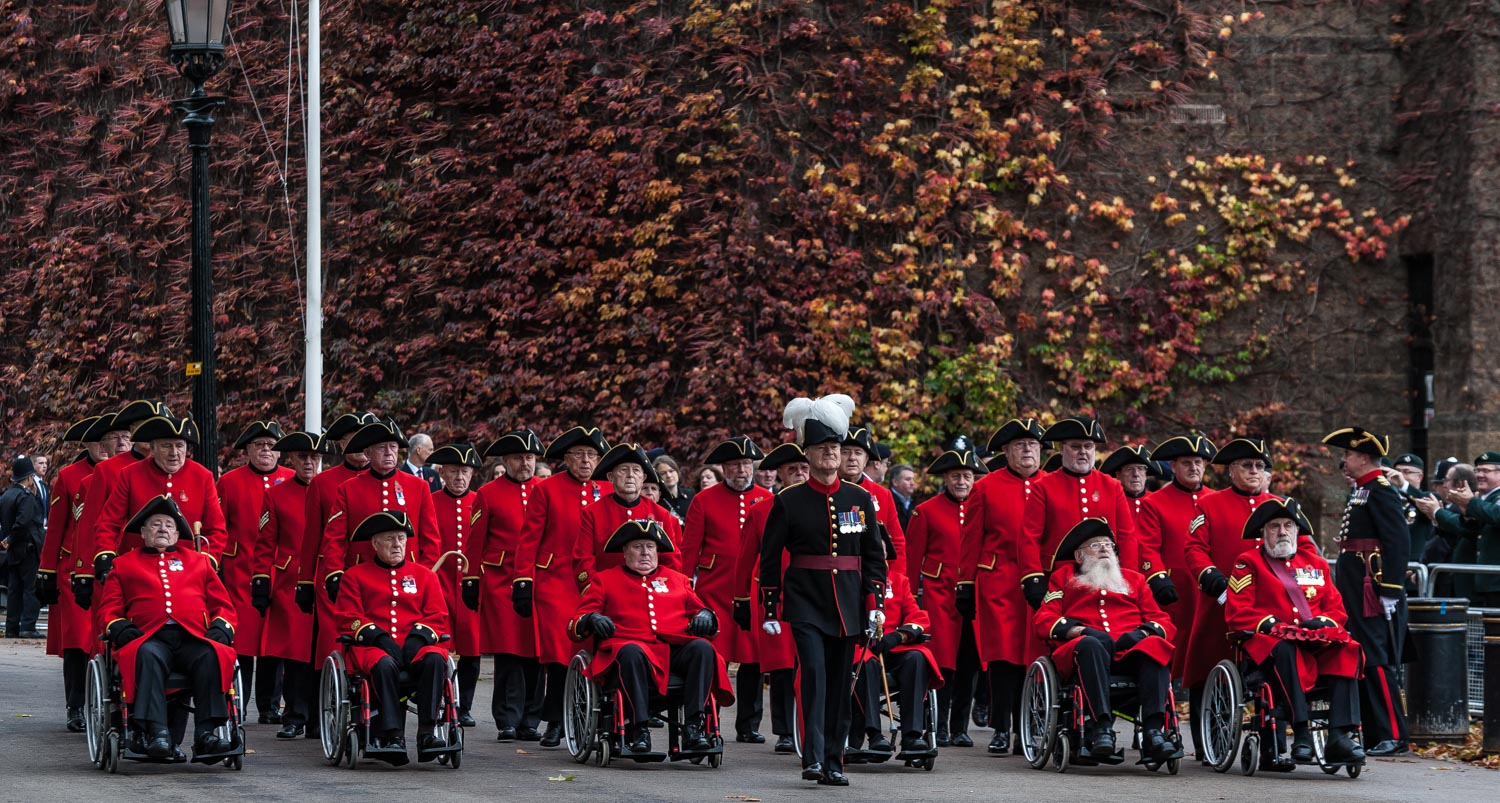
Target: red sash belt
848	563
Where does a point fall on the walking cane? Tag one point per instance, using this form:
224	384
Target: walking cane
890	709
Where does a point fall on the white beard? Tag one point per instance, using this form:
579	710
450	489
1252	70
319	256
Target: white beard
1281	550
1097	573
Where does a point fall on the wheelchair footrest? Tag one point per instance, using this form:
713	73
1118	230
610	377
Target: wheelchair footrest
1087	760
644	758
866	756
916	754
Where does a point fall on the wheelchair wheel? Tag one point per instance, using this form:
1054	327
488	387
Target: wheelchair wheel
1062	753
96	711
580	710
351	749
112	754
1249	754
931	706
1221	723
1354	770
1040	702
333	708
231	731
235	763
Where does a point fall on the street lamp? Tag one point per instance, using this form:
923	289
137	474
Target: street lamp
197	29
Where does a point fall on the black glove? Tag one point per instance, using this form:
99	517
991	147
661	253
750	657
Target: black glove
1034	588
220	632
260	594
83	591
741	614
911	634
470	593
1131	639
885	642
703	624
103	562
414	644
123	632
304	597
965	601
331	585
1315	624
375	637
1163	589
1213	582
520	598
599	624
46	588
1103	638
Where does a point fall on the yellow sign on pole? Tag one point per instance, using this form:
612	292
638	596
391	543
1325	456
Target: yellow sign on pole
194	368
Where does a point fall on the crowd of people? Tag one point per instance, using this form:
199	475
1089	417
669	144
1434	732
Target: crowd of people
805	559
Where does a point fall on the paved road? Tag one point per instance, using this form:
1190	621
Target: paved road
39	761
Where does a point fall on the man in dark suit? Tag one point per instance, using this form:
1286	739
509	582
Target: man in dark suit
22	530
904	489
416	461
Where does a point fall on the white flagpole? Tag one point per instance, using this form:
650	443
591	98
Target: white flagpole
313	369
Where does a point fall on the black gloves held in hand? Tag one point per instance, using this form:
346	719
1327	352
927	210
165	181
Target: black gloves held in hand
260	594
520	598
470	593
741	614
1034	588
123	632
703	624
1163	589
964	600
1213	582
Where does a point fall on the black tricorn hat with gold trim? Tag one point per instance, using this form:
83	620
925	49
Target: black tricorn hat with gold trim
455	454
1241	449
1127	456
383	522
137	411
297	442
958	454
346	425
783	455
160	506
1082	533
1074	428
577	436
620	455
861	436
103	425
1052	463
80	429
521	441
1358	440
1271	510
1014	430
739	447
996	462
635	530
376	433
258	429
1185	446
163	427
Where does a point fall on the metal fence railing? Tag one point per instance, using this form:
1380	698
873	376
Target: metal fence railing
1428	577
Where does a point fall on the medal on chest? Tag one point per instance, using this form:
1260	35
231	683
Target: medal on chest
174	565
852	521
408	585
400	496
659	586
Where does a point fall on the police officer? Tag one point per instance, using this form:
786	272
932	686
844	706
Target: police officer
1411	470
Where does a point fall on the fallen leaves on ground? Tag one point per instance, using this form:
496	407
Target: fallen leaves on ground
1470	751
561	777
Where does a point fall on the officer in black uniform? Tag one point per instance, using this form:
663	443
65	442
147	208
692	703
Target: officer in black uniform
1413	471
835	583
1370	574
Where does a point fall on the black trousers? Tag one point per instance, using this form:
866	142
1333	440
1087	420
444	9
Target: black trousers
267	685
22	606
1380	700
956	697
747	693
1005	695
517	701
1291	701
824	662
172	649
783	701
908	672
1094	665
388	715
75	677
468	679
299	684
695	662
555	677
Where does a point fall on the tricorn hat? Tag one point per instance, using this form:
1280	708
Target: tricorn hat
577	436
455	454
1052	463
1075	428
102	426
1014	430
635	530
522	441
882	452
1127	456
740	447
1271	510
383	522
297	442
346	425
860	435
164	427
1358	440
958	454
80	429
1185	446
819	420
1242	448
376	433
785	454
258	429
160	506
137	411
997	462
1082	532
621	454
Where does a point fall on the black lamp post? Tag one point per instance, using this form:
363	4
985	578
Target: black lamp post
197	30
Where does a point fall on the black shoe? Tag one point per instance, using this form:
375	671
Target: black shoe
879	743
1000	744
913	743
658	722
1103	743
34	634
981	715
639	743
528	734
270	718
506	735
1343	750
695	736
553	736
942	736
750	737
1302	751
75	721
209	744
466	721
1156	747
290	731
961	740
784	744
390	749
158	745
1271	763
833	778
428	742
813	772
1389	747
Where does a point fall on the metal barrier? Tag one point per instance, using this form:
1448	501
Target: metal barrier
1475	660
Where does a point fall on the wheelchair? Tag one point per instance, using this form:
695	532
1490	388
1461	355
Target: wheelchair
594	721
1052	720
1237	720
106	715
344	705
889	708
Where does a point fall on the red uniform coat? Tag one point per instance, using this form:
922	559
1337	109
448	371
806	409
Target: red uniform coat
288	631
96	490
396	599
778	651
502	504
932	551
993	530
599	522
547	536
1213	541
650	611
318	507
458	517
1062	499
191	487
886	510
69	627
1256	596
901	609
710	552
366	494
1114	613
151	588
1162	526
242	494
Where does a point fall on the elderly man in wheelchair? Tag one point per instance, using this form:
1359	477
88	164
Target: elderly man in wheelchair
1288	618
650	626
1103	621
165	610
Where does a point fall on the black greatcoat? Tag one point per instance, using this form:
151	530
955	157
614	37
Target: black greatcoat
816	520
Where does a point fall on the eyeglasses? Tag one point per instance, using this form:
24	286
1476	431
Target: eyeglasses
1251	466
1100	546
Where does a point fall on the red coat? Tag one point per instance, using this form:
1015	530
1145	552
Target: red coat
901	609
397	600
551	527
366	494
96	490
191	487
1115	614
148	588
1062	499
318	507
599	522
778	651
242	494
288	631
932	552
1256	595
650	611
889	514
993	532
710	552
502	505
69	627
1213	541
1161	526
457	520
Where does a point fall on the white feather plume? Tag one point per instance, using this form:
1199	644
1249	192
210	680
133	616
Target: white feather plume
833	410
